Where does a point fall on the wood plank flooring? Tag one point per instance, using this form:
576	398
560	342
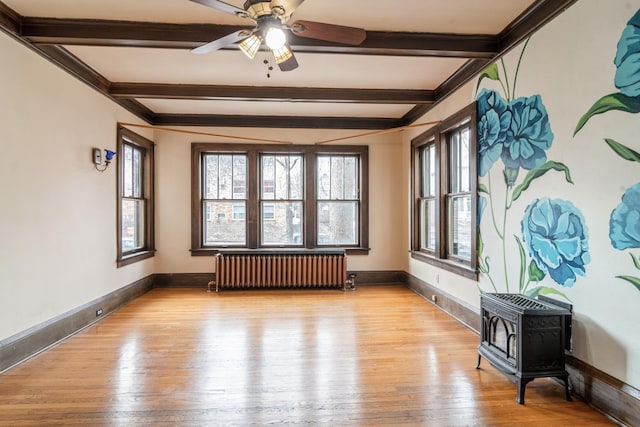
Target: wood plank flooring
379	356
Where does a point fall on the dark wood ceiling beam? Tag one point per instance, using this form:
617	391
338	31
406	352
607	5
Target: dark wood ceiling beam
535	17
188	36
532	19
305	122
275	94
465	73
10	20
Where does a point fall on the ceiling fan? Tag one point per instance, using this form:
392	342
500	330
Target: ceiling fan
271	19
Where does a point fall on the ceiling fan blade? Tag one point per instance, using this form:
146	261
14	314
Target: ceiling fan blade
329	32
287	5
221	42
220	5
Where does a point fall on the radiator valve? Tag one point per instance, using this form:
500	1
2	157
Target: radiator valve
351	281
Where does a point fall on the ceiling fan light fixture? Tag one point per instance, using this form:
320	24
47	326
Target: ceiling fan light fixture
282	54
256	9
250	45
275	38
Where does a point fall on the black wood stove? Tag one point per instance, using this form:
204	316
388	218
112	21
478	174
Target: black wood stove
525	338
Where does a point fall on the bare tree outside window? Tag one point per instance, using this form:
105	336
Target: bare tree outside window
282	194
338	199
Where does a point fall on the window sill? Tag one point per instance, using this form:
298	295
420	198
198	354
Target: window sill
134	257
451	266
214	251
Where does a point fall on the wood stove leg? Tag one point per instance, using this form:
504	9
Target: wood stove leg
479	359
565	379
521	384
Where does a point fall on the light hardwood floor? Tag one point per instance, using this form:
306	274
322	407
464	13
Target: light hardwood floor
379	356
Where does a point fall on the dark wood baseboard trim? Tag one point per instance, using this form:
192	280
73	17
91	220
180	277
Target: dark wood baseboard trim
465	314
182	280
364	278
612	397
200	280
32	341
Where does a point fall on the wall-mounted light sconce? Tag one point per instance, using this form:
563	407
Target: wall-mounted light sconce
97	158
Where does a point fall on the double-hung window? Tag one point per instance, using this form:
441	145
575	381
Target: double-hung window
444	187
224	198
338	202
135	197
281	197
264	196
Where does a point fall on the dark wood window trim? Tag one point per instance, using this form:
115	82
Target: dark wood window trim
438	136
253	151
125	136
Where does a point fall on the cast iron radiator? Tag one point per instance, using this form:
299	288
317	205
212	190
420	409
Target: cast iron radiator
238	269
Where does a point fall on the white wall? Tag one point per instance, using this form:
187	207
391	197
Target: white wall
569	63
57	213
387	206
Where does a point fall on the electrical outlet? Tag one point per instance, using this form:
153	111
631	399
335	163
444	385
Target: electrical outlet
97	156
99	312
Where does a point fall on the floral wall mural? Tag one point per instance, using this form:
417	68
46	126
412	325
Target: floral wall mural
558	138
514	135
624	225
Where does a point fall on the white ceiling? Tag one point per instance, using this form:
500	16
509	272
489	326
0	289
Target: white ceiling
178	66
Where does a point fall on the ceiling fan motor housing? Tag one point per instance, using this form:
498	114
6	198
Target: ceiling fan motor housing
259	8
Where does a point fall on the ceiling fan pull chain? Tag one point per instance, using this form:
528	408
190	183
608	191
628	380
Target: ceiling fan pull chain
267	62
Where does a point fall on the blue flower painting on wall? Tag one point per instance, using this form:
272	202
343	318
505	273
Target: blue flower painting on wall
624	223
518	132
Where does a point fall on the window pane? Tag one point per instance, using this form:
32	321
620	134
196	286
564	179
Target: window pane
337	178
239	177
286	226
459	161
460	232
338	223
282	177
268	172
128	171
428	164
324	178
428	224
132	225
225	223
225	176
225	171
351	178
295	178
210	177
137	173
